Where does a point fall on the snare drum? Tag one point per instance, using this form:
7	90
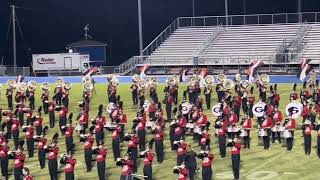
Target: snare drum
79	127
244	133
190	126
149	124
287	134
262	133
197	129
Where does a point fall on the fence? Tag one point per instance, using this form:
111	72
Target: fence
9	71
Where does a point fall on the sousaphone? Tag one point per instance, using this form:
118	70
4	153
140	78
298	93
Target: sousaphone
11	83
67	86
208	81
221	78
153	81
142	84
135	78
32	85
228	84
21	87
264	79
111	106
45	86
59	82
238	77
87	87
244	84
185	107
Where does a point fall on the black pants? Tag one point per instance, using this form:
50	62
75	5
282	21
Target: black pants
10	104
31	103
101	167
21	118
4	166
159	150
88	158
53	168
30	147
51	119
69	176
122	132
192	172
208	100
116	148
318	146
180	159
276	135
266	142
147	171
175	98
222	146
250	111
142	99
289	143
69	143
42	157
142	139
15	136
246	140
45	107
17	173
135	98
62	122
206	173
168	111
236	165
123	177
307	144
99	136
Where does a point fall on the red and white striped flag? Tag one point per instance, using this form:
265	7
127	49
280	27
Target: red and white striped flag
304	69
252	71
142	70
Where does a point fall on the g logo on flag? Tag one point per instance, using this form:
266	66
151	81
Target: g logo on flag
258	109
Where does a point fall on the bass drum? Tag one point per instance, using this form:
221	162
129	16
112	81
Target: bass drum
259	109
287	134
295	109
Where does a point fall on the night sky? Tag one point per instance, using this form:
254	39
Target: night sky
49	25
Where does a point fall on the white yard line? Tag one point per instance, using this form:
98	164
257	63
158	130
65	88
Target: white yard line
262	165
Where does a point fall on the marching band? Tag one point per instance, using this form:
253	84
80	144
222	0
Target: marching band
235	113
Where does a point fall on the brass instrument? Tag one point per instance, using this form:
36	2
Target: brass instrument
32	85
264	79
244	84
87	87
228	84
221	78
11	83
142	84
153	82
136	78
21	87
172	80
208	81
59	82
86	79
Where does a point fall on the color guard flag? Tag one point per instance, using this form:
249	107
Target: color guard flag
304	69
183	75
142	70
19	79
252	71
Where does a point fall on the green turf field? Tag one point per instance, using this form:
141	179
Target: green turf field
256	163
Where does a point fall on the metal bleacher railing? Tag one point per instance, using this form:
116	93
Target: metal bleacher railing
233	20
9	71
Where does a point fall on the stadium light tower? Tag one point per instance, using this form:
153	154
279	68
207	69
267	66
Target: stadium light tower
140	27
193	9
14	39
226	10
299	11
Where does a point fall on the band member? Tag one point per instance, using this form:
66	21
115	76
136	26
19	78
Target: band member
62	117
275	97
31	98
246	124
112	93
19	159
235	157
88	149
100	121
237	103
51	110
207	93
65	97
277	119
42	144
148	156
133	141
101	160
152	109
181	151
265	129
52	160
290	125
205	139
116	142
123	121
141	130
38	122
141	96
26	174
29	117
127	164
158	138
182	171
69	134
15	131
9	94
207	160
294	94
21	110
168	102
29	131
45	99
134	91
307	128
191	162
69	168
221	127
251	102
4	149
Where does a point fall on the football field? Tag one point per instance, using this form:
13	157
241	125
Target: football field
256	163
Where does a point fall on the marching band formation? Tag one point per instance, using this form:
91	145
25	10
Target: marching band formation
235	110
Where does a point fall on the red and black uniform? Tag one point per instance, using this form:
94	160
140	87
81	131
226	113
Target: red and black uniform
100	122
31	99
305	112
116	143
63	118
205	140
152	109
168	102
88	152
134	91
132	147
181	153
29	117
15	131
30	141
275	99
290	125
20	96
206	167
183	174
235	157
38	125
277	119
251	101
18	165
53	163
123	121
21	112
69	138
142	134
51	110
84	120
237	104
69	168
45	99
65	98
42	151
246	126
266	125
147	168
126	171
307	129
222	128
4	148
158	139
101	163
